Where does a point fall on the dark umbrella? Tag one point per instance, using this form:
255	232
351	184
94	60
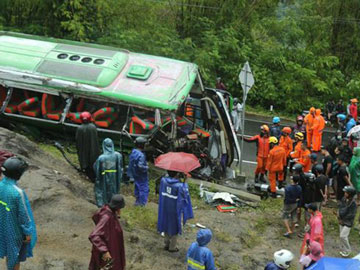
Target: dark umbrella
178	162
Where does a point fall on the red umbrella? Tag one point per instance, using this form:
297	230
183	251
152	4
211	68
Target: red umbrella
177	161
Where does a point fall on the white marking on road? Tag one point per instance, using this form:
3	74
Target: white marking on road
249	162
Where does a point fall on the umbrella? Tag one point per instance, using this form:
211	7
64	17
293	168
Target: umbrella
177	161
327	263
354	131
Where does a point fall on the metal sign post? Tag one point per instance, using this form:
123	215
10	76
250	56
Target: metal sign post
247	81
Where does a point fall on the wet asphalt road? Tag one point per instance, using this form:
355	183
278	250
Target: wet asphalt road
252	127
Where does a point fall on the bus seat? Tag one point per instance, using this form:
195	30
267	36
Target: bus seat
29	107
104	117
201	133
49	107
12	107
140	126
75	116
179	120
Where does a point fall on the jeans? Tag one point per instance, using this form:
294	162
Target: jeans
344	239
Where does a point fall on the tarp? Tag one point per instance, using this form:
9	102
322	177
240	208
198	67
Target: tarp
327	263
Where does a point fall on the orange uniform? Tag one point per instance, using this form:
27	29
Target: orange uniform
318	127
262	152
287	144
305	160
297	150
275	166
309	121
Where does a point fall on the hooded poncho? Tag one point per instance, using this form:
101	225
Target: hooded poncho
354	169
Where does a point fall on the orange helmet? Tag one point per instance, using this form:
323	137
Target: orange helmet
312	110
286	130
265	128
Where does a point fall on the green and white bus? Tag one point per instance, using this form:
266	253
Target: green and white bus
47	83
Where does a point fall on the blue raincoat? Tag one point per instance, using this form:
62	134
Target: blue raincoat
108	170
350	124
16	222
138	170
174	205
198	255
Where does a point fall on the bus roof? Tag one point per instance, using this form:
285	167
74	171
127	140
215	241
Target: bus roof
91	69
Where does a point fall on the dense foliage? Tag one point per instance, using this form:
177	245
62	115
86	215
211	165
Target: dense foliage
302	52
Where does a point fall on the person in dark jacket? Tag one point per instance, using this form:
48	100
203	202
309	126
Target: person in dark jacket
275	129
138	172
282	260
87	145
198	255
345	150
346	215
320	184
108	170
293	194
107	238
299	127
342	177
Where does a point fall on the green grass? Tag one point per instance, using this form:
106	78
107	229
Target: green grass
223	236
141	217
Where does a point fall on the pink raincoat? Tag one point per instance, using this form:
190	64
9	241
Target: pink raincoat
316	232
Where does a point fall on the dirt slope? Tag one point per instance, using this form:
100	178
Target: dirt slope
62	205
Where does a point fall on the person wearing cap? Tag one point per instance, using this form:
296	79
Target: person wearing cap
198	255
138	172
275	165
108	170
317	130
286	143
346	216
299	126
354	169
18	230
107	238
262	151
292	200
353	109
314	230
313	254
275	129
341	120
328	162
174	208
87	145
309	121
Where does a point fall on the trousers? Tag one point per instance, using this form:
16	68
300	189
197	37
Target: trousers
141	192
344	239
273	176
261	164
316	141
170	241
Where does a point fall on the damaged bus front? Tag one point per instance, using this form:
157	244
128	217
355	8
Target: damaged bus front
48	83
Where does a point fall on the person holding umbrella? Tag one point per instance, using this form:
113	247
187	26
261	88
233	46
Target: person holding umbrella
174	197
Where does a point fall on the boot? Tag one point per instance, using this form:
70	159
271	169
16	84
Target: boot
262	179
256	180
273	195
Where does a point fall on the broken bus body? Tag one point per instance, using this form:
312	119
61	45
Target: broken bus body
48	82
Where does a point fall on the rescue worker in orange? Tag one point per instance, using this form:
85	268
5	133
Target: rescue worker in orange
294	156
275	164
317	129
309	121
286	143
262	143
304	159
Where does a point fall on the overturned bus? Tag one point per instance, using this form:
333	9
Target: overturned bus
47	83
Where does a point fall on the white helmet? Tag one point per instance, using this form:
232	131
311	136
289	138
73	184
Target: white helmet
283	258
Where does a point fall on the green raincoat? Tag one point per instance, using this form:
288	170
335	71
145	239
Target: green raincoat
354	169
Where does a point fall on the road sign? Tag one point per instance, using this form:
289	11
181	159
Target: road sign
246	79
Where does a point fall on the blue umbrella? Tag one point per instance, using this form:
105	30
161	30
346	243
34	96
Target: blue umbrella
327	263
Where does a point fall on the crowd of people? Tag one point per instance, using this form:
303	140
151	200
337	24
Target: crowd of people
281	151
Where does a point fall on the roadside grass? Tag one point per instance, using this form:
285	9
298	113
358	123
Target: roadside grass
53	151
143	217
223	236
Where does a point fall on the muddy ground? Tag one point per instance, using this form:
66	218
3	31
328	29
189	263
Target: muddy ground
62	201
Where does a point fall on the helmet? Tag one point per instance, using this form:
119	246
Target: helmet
349	189
236	100
140	142
283	258
313	156
265	128
85	117
276	120
297	167
299	136
341	117
354	100
319	168
14	167
273	140
286	130
300	118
